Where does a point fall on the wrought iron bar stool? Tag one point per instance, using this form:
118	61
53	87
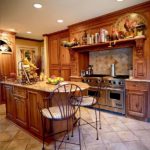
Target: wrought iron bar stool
89	102
58	106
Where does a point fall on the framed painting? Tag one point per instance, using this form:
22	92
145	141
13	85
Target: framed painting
4	47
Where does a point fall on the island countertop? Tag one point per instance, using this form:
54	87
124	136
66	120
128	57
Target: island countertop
43	86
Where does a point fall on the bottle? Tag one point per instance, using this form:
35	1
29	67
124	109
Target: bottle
88	39
92	39
90	70
96	38
84	38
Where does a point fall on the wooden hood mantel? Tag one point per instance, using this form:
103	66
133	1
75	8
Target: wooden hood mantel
122	43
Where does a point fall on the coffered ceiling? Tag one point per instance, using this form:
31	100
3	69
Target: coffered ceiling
21	16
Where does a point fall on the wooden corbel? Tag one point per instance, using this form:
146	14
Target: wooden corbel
140	47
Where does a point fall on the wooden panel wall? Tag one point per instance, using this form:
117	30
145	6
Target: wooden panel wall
94	25
8	61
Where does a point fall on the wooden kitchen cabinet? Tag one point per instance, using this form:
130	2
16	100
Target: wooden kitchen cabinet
34	103
20	98
54	52
137	99
10	103
21	111
59	55
140	69
33	112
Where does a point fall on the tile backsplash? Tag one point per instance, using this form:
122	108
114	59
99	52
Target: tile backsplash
102	60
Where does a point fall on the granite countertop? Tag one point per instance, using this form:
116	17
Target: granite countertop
137	80
43	86
76	77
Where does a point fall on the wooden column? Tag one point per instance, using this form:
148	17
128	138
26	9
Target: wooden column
46	58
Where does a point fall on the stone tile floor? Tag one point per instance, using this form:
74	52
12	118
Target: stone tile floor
117	133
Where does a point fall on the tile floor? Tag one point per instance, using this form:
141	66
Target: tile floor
117	133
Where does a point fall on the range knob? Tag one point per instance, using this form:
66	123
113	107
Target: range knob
121	83
114	82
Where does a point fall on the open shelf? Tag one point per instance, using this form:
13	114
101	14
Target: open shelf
128	42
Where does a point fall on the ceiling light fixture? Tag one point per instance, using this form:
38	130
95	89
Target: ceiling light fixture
29	32
37	5
60	21
119	0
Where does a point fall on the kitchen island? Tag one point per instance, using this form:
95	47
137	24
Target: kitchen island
23	102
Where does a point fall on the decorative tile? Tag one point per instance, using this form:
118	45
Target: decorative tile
134	126
127	136
135	145
4	145
116	146
96	147
102	61
117	133
21	135
7	136
119	127
146	142
110	137
142	134
18	145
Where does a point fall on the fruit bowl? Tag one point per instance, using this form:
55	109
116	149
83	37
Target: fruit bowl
52	83
55	80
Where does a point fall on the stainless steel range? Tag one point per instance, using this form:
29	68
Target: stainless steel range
112	93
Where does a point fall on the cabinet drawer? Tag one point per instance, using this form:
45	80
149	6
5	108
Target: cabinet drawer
137	86
19	92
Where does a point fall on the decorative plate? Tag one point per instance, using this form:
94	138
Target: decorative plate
128	22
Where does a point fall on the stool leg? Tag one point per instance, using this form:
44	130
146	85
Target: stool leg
72	126
43	130
79	133
67	129
99	117
79	114
96	125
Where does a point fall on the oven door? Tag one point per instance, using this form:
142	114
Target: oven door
115	98
101	95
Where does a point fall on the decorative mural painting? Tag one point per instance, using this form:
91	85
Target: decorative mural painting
129	26
4	47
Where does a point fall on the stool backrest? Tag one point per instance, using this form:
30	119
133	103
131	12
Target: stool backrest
62	97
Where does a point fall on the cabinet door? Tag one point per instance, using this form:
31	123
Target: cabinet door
10	104
64	53
54	52
65	73
55	71
21	111
137	103
33	112
140	69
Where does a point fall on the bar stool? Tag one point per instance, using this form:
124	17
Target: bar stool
62	98
89	102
